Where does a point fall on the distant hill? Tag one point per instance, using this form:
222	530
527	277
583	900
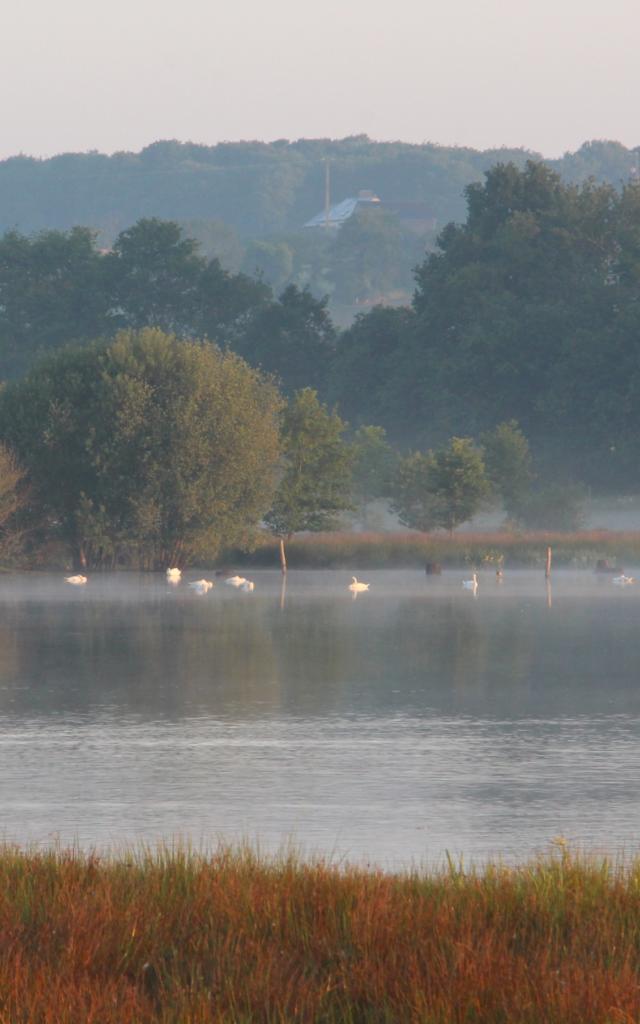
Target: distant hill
260	189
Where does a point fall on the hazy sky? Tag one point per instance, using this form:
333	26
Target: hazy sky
119	74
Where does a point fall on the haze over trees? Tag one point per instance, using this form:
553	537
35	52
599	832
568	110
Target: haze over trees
259	189
529	310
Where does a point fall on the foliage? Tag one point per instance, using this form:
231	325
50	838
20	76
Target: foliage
414	500
292	338
14	502
51	293
512	549
149	446
233	937
555	507
528	310
440	489
374	463
372	257
272	261
508	463
315	484
153	272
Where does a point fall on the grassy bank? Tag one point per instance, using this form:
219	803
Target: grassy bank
178	938
402	550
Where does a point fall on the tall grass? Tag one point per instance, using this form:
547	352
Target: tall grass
391	550
172	936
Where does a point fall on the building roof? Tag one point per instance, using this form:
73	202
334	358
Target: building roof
341	212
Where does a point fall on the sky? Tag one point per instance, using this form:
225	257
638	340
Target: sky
111	75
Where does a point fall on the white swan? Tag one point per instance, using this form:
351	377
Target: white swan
201	586
76	581
247	586
173	575
622	581
471	584
235	581
357	588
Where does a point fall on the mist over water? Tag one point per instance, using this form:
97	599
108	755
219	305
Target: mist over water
413	720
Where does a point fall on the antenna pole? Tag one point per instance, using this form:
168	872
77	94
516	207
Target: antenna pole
327	192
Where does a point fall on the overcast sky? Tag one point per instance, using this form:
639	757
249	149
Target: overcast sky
120	74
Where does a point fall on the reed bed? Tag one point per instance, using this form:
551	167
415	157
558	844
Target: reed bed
173	936
403	549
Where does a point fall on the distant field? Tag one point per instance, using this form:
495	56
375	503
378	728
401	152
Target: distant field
393	550
175	937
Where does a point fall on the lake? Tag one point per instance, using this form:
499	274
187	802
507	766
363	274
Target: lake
414	720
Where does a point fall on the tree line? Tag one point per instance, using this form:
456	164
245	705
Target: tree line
261	189
528	310
150	450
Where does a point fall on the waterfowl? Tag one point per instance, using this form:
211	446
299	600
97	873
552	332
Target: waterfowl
471	584
235	581
623	580
248	586
76	581
173	575
357	588
201	586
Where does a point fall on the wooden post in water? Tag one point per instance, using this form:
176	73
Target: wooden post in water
283	557
547	571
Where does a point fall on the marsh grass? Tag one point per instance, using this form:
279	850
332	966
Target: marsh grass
174	936
403	550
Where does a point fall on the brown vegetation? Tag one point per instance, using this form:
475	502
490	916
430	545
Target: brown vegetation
404	549
180	938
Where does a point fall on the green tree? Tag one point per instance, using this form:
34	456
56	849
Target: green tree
508	463
459	481
149	448
292	338
51	293
153	275
374	463
14	499
272	261
441	489
373	257
315	483
415	501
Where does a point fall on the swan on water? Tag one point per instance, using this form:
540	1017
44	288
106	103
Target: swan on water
235	581
622	581
471	584
357	588
201	586
173	575
76	581
247	586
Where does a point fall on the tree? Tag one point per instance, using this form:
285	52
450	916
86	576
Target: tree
373	257
14	496
315	482
507	460
459	481
271	260
153	274
374	462
227	304
440	489
149	448
51	293
415	501
292	338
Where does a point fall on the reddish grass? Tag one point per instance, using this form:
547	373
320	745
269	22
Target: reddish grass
175	937
391	550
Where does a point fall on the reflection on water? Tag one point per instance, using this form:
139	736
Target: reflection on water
414	720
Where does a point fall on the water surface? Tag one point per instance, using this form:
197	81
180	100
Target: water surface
411	721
